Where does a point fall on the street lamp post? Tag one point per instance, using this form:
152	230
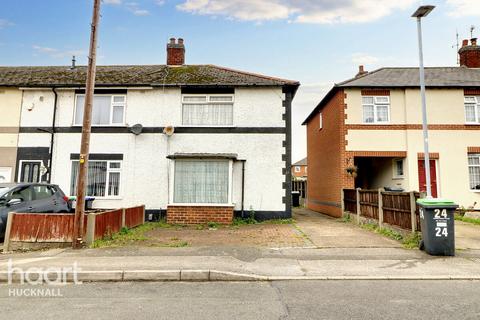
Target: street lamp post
422	12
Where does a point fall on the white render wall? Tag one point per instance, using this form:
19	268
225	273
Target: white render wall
144	177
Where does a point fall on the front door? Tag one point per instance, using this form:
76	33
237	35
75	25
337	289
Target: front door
422	180
30	171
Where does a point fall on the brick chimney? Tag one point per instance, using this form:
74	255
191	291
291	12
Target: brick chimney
175	52
361	71
470	54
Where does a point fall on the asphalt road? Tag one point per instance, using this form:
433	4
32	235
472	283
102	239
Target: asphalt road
249	300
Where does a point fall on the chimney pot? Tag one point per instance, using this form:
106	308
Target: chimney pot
361	71
175	52
464	43
474	41
470	55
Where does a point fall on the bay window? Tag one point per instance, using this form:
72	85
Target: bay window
103	178
107	109
376	109
472	109
207	110
201	181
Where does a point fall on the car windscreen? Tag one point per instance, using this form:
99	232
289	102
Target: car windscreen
4	190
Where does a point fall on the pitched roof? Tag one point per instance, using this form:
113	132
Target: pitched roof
302	162
409	77
136	75
435	77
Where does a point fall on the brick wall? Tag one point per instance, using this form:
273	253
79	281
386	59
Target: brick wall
327	158
199	214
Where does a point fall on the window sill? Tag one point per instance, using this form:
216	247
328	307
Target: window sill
201	204
376	123
475	191
398	178
103	126
472	123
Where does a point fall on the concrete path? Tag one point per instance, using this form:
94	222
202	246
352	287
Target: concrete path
327	232
467	235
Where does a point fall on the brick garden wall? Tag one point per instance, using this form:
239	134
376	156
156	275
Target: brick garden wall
199	214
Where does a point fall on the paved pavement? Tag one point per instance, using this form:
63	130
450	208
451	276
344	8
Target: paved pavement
250	300
338	251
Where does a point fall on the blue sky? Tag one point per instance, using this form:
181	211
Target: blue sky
318	42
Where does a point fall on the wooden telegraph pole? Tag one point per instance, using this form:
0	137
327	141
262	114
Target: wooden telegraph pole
86	129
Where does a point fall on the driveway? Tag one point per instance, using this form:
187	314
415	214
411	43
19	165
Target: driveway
467	235
327	232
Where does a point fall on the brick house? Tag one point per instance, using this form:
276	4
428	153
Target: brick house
299	170
195	142
367	133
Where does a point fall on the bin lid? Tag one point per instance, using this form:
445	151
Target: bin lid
436	202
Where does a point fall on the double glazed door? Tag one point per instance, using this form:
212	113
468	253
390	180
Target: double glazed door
422	179
30	171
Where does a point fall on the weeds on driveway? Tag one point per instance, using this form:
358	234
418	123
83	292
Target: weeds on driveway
410	241
468	220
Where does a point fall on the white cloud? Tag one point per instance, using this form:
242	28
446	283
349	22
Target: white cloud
134	8
112	2
159	2
364	59
5	23
301	11
56	53
464	8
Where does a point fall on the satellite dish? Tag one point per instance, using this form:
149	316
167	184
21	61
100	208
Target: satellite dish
169	130
136	129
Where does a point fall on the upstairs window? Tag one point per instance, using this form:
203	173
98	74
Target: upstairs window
207	110
376	109
474	170
472	110
108	110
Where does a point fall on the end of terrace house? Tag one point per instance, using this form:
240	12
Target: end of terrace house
367	133
227	149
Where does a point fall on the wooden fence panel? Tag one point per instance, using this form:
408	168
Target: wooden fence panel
396	209
107	223
350	200
134	217
369	204
28	227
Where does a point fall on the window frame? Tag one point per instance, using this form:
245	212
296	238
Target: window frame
171	197
112	105
107	179
476	109
469	166
394	167
320	121
208	102
297	169
20	170
375	106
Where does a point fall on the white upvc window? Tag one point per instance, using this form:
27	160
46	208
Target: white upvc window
108	110
320	121
474	171
472	109
198	181
376	109
103	178
398	169
207	109
297	169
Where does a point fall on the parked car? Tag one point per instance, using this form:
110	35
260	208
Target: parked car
30	197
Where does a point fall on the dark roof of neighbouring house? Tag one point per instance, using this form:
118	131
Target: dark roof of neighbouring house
302	162
136	75
435	77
